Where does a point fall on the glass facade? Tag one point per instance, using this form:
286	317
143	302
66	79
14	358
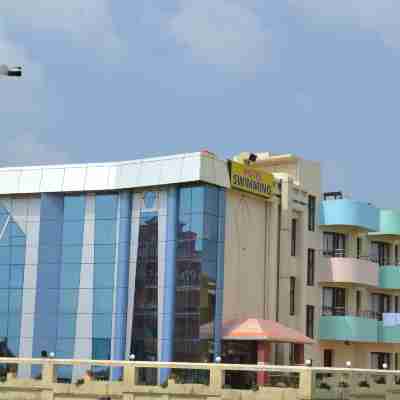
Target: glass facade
100	275
197	271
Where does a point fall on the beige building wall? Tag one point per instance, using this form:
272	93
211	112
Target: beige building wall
250	256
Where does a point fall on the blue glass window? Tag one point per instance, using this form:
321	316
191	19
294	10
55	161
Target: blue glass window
102	325
105	231
101	349
3	325
197	226
72	254
5	255
14	325
3	210
3	220
68	303
104	253
210	227
13	346
16	230
18	255
70	276
17	277
150	199
104	275
185	201
73	232
74	207
106	206
3	301
103	301
198	199
4	277
15	301
66	326
211	206
6	238
49	254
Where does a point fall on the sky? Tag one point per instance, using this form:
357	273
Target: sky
119	80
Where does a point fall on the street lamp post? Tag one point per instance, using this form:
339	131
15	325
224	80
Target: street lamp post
10	72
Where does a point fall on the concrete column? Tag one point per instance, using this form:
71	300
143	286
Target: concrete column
217	377
130	374
306	384
263	356
48	373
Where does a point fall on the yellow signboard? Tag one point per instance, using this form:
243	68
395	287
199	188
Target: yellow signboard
252	180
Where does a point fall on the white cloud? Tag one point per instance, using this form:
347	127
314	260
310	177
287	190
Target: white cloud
380	16
222	32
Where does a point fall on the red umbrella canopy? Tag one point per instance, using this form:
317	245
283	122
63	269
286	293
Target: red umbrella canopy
261	329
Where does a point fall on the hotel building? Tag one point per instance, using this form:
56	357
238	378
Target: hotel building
152	257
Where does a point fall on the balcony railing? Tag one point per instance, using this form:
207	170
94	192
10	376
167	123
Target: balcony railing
341	311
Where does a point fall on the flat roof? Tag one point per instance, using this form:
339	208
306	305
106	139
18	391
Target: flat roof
158	171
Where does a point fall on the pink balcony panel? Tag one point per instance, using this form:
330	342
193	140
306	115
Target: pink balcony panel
349	270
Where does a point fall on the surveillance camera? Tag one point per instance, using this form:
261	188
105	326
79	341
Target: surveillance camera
15	72
253	157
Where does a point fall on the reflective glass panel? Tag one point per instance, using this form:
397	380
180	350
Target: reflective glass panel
74	207
3	324
185	200
73	232
104	276
68	302
5	255
72	254
18	255
3	301
105	231
66	326
104	253
17	277
70	276
4	277
102	325
198	194
101	349
14	325
106	206
103	301
15	300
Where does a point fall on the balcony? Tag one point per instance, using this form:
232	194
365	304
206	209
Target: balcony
388	334
350	215
389	277
389	225
349	270
362	328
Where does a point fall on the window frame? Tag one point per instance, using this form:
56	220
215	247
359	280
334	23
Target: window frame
310	267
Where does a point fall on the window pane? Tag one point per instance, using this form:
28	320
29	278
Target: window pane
72	254
17	277
198	199
105	231
104	253
73	232
68	301
106	206
15	305
211	200
4	277
70	276
3	325
6	238
102	325
66	326
197	226
104	275
101	349
150	199
3	301
5	255
103	301
74	207
18	255
14	326
185	200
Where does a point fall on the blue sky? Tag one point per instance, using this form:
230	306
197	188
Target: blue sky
112	80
